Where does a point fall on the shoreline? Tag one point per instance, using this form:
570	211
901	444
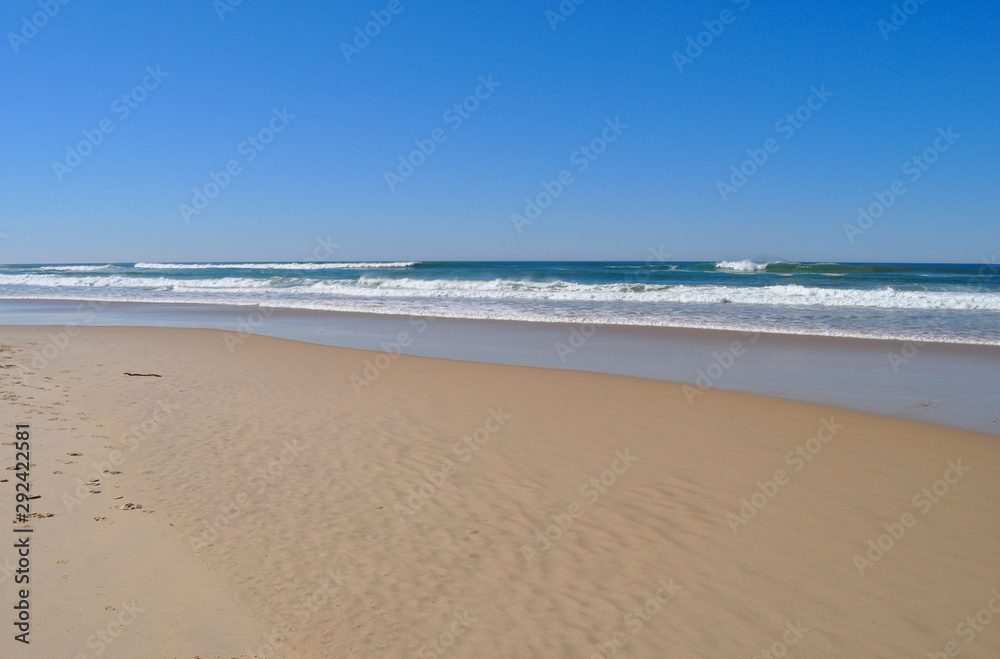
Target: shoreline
525	511
62	306
948	384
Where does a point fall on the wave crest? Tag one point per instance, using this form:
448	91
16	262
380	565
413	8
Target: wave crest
309	265
745	265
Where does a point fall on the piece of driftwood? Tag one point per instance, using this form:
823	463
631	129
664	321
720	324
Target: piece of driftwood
144	375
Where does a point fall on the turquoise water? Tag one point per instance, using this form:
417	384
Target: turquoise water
944	302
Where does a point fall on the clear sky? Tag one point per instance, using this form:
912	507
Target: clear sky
199	79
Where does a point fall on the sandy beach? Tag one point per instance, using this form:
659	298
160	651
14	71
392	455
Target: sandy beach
300	500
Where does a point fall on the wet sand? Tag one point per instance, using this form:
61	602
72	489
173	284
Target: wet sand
948	384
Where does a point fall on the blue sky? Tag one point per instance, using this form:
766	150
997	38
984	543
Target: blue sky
554	85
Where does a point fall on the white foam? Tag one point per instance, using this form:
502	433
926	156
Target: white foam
310	265
78	268
126	282
520	290
741	266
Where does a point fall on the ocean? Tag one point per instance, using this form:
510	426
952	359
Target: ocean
954	303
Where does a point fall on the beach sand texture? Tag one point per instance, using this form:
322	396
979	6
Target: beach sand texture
295	506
